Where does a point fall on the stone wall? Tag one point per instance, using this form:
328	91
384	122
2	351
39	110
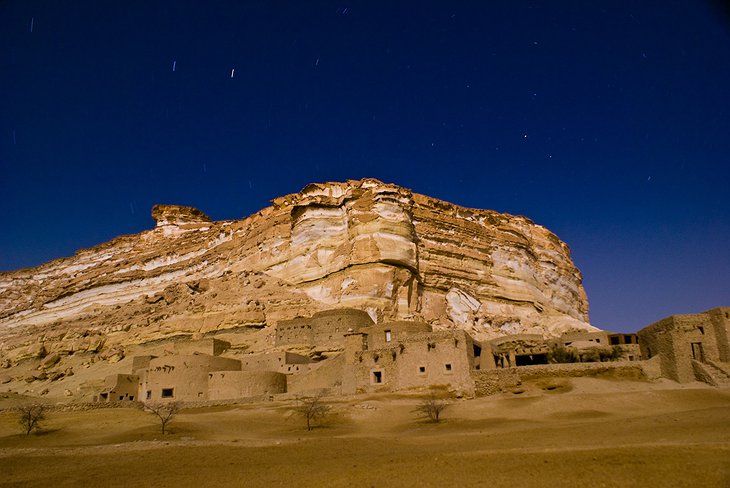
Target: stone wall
327	374
187	376
720	320
228	385
383	335
436	358
120	387
324	330
282	362
679	339
493	381
489	382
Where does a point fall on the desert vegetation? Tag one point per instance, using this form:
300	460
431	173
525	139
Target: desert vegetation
313	410
30	416
431	408
164	412
561	354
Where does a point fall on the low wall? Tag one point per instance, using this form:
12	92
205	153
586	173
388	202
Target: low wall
493	381
80	406
489	382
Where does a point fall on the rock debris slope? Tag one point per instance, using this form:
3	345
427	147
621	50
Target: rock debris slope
359	244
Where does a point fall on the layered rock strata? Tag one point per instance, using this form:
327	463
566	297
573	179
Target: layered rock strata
359	244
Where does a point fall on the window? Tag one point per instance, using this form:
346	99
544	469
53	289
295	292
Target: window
149	394
387	336
448	366
121	397
131	398
422	369
167	393
377	376
701	329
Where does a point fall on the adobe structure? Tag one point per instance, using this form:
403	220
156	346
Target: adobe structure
691	347
364	357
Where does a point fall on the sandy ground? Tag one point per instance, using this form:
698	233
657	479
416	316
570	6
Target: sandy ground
582	432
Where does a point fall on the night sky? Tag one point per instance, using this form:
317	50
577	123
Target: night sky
608	122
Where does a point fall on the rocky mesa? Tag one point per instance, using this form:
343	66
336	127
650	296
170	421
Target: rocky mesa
358	244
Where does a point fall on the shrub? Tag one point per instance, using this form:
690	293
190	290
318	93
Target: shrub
590	356
431	408
560	354
313	409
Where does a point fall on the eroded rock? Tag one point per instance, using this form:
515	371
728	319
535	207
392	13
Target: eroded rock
356	244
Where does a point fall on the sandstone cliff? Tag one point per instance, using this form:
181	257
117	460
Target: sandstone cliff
359	244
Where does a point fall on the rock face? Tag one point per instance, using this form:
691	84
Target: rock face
179	216
359	244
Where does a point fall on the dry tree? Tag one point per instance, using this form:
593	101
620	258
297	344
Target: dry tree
431	408
313	409
30	416
165	412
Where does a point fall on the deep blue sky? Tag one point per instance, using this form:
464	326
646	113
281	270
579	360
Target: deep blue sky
606	121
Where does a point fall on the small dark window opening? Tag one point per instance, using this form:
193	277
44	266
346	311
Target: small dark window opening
531	359
629	339
477	350
121	397
104	396
701	329
598	341
377	376
131	398
422	369
614	340
448	366
149	394
167	392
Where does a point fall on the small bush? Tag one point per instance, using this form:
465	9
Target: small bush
431	408
613	354
313	409
590	356
560	354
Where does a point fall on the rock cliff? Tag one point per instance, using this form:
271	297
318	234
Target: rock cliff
358	244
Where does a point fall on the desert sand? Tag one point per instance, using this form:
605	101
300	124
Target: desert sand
577	432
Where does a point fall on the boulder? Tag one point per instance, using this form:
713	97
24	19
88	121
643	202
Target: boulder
50	361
